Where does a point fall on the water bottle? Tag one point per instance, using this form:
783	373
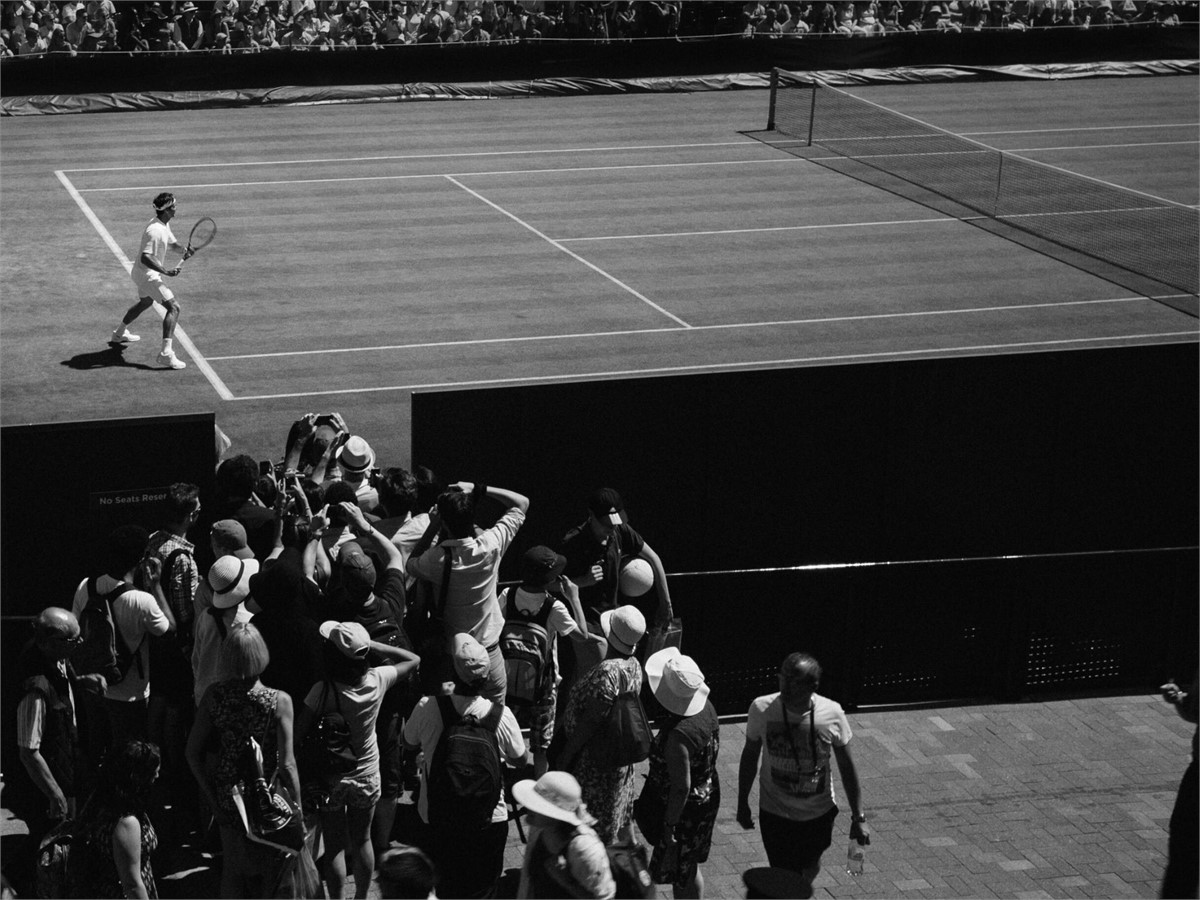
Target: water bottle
855	857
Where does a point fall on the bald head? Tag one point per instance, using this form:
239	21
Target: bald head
53	621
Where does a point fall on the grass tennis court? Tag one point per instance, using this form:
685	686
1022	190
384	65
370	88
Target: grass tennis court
366	251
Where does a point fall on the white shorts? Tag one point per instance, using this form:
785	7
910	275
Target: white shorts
153	289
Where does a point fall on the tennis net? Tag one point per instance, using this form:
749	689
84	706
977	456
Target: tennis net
1148	236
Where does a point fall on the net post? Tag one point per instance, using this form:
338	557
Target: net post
812	111
771	107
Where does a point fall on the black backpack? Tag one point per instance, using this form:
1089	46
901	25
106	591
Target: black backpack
102	649
525	644
466	775
626	737
328	751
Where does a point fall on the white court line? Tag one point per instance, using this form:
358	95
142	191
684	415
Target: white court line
201	363
571	253
748	366
669	234
695	328
225	184
1100	146
1088	128
748	142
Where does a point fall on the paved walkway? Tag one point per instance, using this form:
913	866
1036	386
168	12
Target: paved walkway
1055	799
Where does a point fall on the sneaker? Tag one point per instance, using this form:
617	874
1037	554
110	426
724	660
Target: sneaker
124	336
171	360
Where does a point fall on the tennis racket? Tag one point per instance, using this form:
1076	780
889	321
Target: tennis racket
202	235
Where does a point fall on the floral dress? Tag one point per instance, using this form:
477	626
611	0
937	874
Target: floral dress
95	875
608	792
239	713
701	734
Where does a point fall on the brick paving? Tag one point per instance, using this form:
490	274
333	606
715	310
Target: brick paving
1059	799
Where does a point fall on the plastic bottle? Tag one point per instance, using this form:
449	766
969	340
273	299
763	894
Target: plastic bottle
855	857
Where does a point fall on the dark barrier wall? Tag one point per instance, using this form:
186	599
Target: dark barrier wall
923	459
1037	454
66	486
113	72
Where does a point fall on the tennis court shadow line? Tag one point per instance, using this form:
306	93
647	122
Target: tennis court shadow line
111	356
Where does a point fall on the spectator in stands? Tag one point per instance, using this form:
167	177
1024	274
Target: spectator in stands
469	865
356	464
769	25
377	603
189	28
545	595
113	837
462	567
231	712
313	442
75	30
46	725
357	690
394	29
235	482
120	714
58	42
608	790
799	730
262	29
474	33
221	604
404	521
171	691
285	598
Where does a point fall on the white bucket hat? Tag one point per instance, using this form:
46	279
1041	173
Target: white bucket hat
624	627
676	681
229	578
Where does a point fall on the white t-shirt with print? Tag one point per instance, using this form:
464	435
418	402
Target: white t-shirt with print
793	784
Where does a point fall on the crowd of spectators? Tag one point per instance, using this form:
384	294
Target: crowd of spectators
318	582
226	26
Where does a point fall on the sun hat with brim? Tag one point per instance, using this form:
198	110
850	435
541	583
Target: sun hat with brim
624	627
229	578
556	795
676	681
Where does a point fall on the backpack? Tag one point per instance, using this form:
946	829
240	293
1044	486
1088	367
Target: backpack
328	750
466	775
626	737
630	866
525	644
102	648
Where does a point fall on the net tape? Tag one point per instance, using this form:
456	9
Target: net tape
1147	235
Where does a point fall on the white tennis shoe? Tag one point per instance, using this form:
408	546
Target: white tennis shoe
124	336
170	359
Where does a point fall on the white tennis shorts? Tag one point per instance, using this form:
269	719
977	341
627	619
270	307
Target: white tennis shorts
154	289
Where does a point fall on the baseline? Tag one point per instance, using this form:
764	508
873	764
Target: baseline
186	342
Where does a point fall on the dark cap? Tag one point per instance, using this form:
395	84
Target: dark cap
541	566
607	506
358	572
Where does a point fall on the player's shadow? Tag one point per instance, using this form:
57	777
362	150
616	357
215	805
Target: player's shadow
112	355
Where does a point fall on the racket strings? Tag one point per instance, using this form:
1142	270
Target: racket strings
202	233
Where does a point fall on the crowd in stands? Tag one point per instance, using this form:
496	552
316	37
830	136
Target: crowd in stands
41	26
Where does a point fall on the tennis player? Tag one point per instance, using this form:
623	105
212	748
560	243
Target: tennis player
147	274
